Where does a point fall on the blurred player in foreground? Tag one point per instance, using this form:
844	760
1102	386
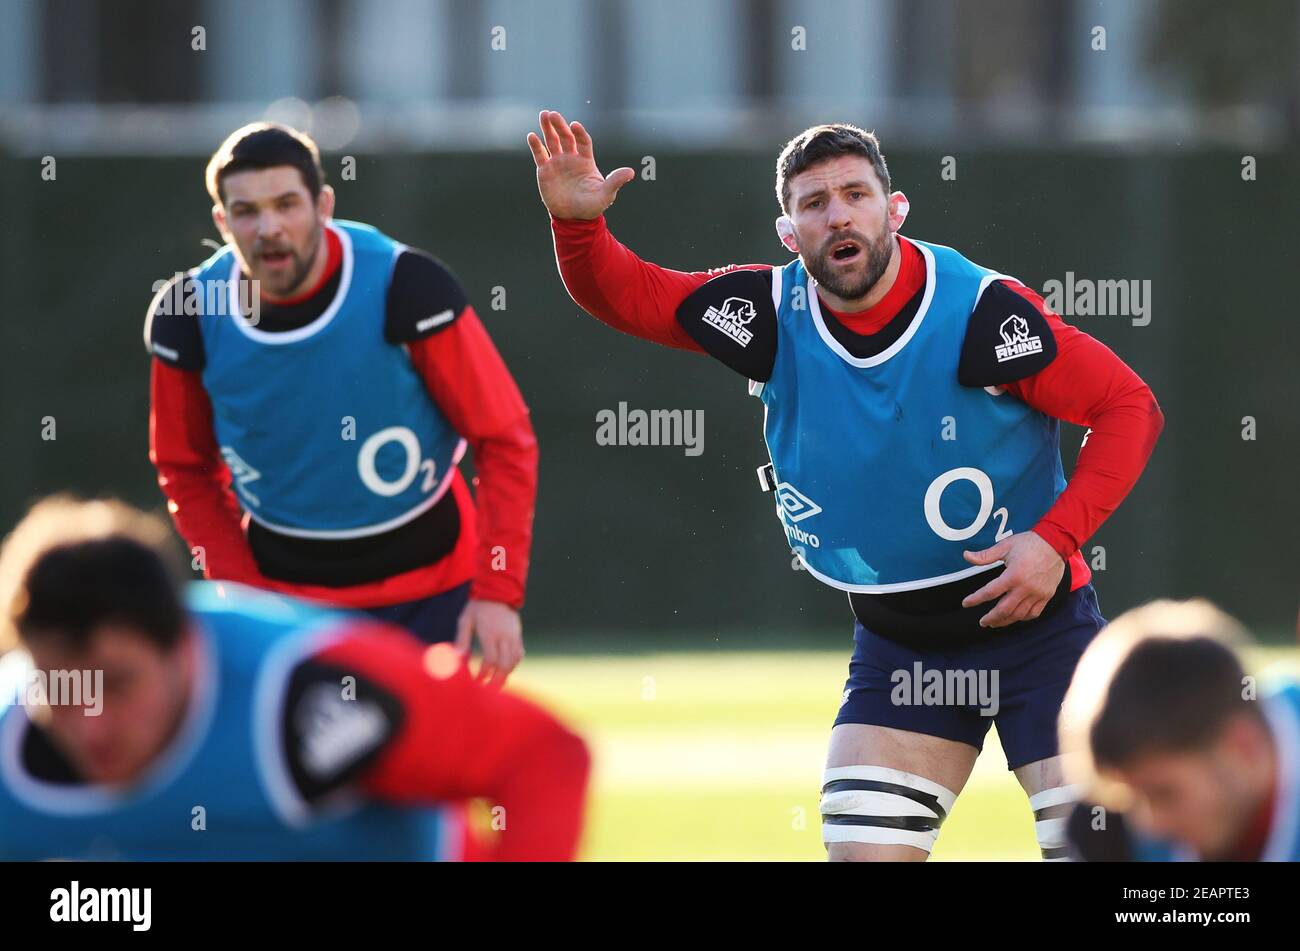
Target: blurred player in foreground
911	403
228	723
338	376
1178	754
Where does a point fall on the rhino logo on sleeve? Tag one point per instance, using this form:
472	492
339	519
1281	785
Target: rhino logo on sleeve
732	318
1016	341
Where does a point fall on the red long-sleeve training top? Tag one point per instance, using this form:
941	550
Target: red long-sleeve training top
459	739
466	377
1087	384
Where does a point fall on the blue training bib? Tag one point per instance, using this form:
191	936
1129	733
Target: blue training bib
887	468
328	429
226	761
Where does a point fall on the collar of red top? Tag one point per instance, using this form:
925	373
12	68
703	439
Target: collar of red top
910	279
333	261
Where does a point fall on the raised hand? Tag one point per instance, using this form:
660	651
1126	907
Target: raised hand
567	177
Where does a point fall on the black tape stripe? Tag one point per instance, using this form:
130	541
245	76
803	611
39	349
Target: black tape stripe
1060	852
909	823
929	800
1058	811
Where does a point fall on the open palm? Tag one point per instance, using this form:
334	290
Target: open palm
567	177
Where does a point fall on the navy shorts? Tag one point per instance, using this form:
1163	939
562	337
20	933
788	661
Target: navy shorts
1017	682
431	619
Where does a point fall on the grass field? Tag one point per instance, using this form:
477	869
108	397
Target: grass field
717	755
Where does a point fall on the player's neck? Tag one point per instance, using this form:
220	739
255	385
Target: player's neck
878	290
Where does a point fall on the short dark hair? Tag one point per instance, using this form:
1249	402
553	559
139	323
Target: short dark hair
72	566
1169	696
265	145
823	142
1163	678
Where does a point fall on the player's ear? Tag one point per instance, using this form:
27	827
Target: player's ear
898	209
785	231
325	202
219	219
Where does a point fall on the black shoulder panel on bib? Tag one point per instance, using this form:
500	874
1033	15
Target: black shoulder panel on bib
171	330
1007	339
732	317
330	740
424	298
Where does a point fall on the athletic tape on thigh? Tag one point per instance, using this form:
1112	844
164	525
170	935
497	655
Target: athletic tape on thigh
881	806
1052	809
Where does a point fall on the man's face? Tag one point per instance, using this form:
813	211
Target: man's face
841	219
145	695
275	226
1203	799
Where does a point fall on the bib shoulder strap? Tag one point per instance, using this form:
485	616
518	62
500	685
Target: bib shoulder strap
733	318
171	326
424	298
1007	339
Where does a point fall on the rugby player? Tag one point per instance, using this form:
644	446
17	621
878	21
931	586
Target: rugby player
231	723
338	376
871	352
1178	752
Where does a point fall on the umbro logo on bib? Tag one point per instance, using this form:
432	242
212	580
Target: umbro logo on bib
794	503
1016	341
732	319
242	473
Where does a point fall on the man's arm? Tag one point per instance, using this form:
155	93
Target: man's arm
604	277
1088	385
618	288
193	476
1077	379
444	737
183	446
429	314
469	381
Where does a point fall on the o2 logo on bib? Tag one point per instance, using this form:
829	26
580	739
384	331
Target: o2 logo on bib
984	485
369	473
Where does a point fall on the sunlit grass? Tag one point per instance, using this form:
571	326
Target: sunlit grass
718	755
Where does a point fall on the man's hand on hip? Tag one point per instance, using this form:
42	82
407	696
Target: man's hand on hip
1033	571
